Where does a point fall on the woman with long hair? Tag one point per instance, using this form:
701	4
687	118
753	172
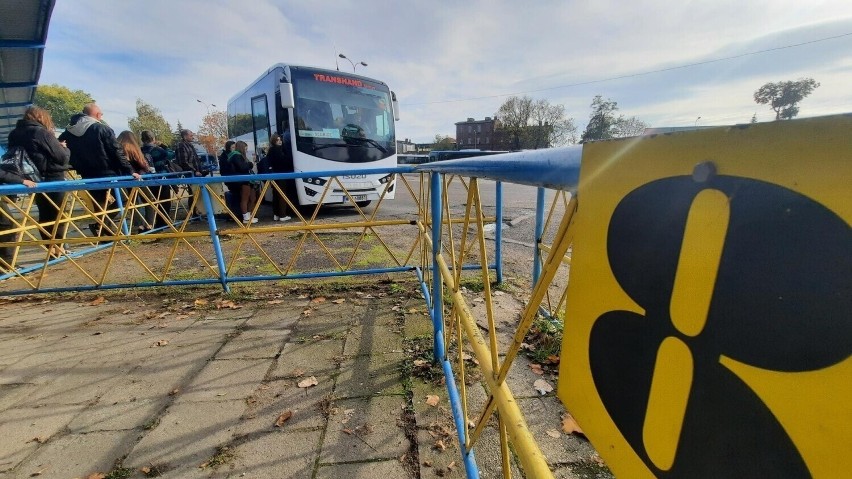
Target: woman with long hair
35	134
133	151
281	161
241	166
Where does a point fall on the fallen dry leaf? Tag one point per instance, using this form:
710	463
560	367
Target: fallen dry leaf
308	382
536	368
161	342
302	296
347	415
432	400
145	470
553	433
283	417
97	301
542	386
554	359
275	301
227	304
39	439
570	426
420	363
318	300
427	463
38	473
339	301
201	302
307	312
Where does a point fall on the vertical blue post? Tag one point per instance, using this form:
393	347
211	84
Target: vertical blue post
437	298
498	237
539	231
214	238
118	201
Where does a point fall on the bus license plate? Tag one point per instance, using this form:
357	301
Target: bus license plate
355	198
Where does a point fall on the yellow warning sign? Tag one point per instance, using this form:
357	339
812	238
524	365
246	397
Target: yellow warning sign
709	322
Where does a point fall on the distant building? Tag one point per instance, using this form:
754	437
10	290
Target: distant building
405	146
477	134
488	134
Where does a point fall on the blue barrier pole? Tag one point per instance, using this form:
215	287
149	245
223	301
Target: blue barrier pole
118	201
498	237
471	469
214	238
539	231
437	299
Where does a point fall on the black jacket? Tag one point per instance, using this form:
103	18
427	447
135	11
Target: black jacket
187	158
240	165
280	160
95	153
45	151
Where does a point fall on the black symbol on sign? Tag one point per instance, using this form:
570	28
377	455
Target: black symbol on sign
781	301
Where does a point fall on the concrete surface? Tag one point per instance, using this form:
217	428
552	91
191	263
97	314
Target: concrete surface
179	383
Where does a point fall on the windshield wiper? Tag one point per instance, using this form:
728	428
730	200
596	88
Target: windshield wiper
370	142
328	145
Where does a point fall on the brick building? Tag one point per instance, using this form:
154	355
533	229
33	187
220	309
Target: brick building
477	134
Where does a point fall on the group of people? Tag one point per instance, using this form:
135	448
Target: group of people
234	161
91	148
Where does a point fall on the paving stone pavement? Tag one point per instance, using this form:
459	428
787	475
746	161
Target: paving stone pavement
190	383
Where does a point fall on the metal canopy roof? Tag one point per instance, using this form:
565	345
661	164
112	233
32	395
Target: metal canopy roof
23	32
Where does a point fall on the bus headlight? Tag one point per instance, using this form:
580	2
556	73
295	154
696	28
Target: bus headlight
316	181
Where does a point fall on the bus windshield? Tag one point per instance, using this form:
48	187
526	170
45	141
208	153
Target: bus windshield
342	118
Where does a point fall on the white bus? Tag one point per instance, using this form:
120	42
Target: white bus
335	121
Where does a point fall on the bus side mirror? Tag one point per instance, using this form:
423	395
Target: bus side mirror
395	107
287	99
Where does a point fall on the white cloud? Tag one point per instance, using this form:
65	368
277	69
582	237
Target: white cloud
434	54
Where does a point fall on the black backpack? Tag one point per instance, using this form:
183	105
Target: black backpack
16	161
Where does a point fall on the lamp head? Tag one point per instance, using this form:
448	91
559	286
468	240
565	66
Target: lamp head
341	55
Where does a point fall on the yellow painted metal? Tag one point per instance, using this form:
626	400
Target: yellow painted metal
809	157
533	461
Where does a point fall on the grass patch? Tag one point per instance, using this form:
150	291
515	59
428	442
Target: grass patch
119	473
545	341
222	456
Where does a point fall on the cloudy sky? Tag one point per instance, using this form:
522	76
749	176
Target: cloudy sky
667	63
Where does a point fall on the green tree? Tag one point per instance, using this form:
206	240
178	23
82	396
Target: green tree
532	124
783	96
61	102
444	143
604	125
149	118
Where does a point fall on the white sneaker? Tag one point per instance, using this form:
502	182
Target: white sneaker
276	218
283	218
248	219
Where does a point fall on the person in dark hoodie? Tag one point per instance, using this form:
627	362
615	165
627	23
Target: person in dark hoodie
95	153
34	133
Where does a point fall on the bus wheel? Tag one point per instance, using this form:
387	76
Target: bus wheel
363	204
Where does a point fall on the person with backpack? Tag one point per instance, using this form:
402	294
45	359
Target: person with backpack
95	153
159	157
34	134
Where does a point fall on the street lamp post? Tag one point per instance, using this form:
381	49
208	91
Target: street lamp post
696	121
206	104
350	61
